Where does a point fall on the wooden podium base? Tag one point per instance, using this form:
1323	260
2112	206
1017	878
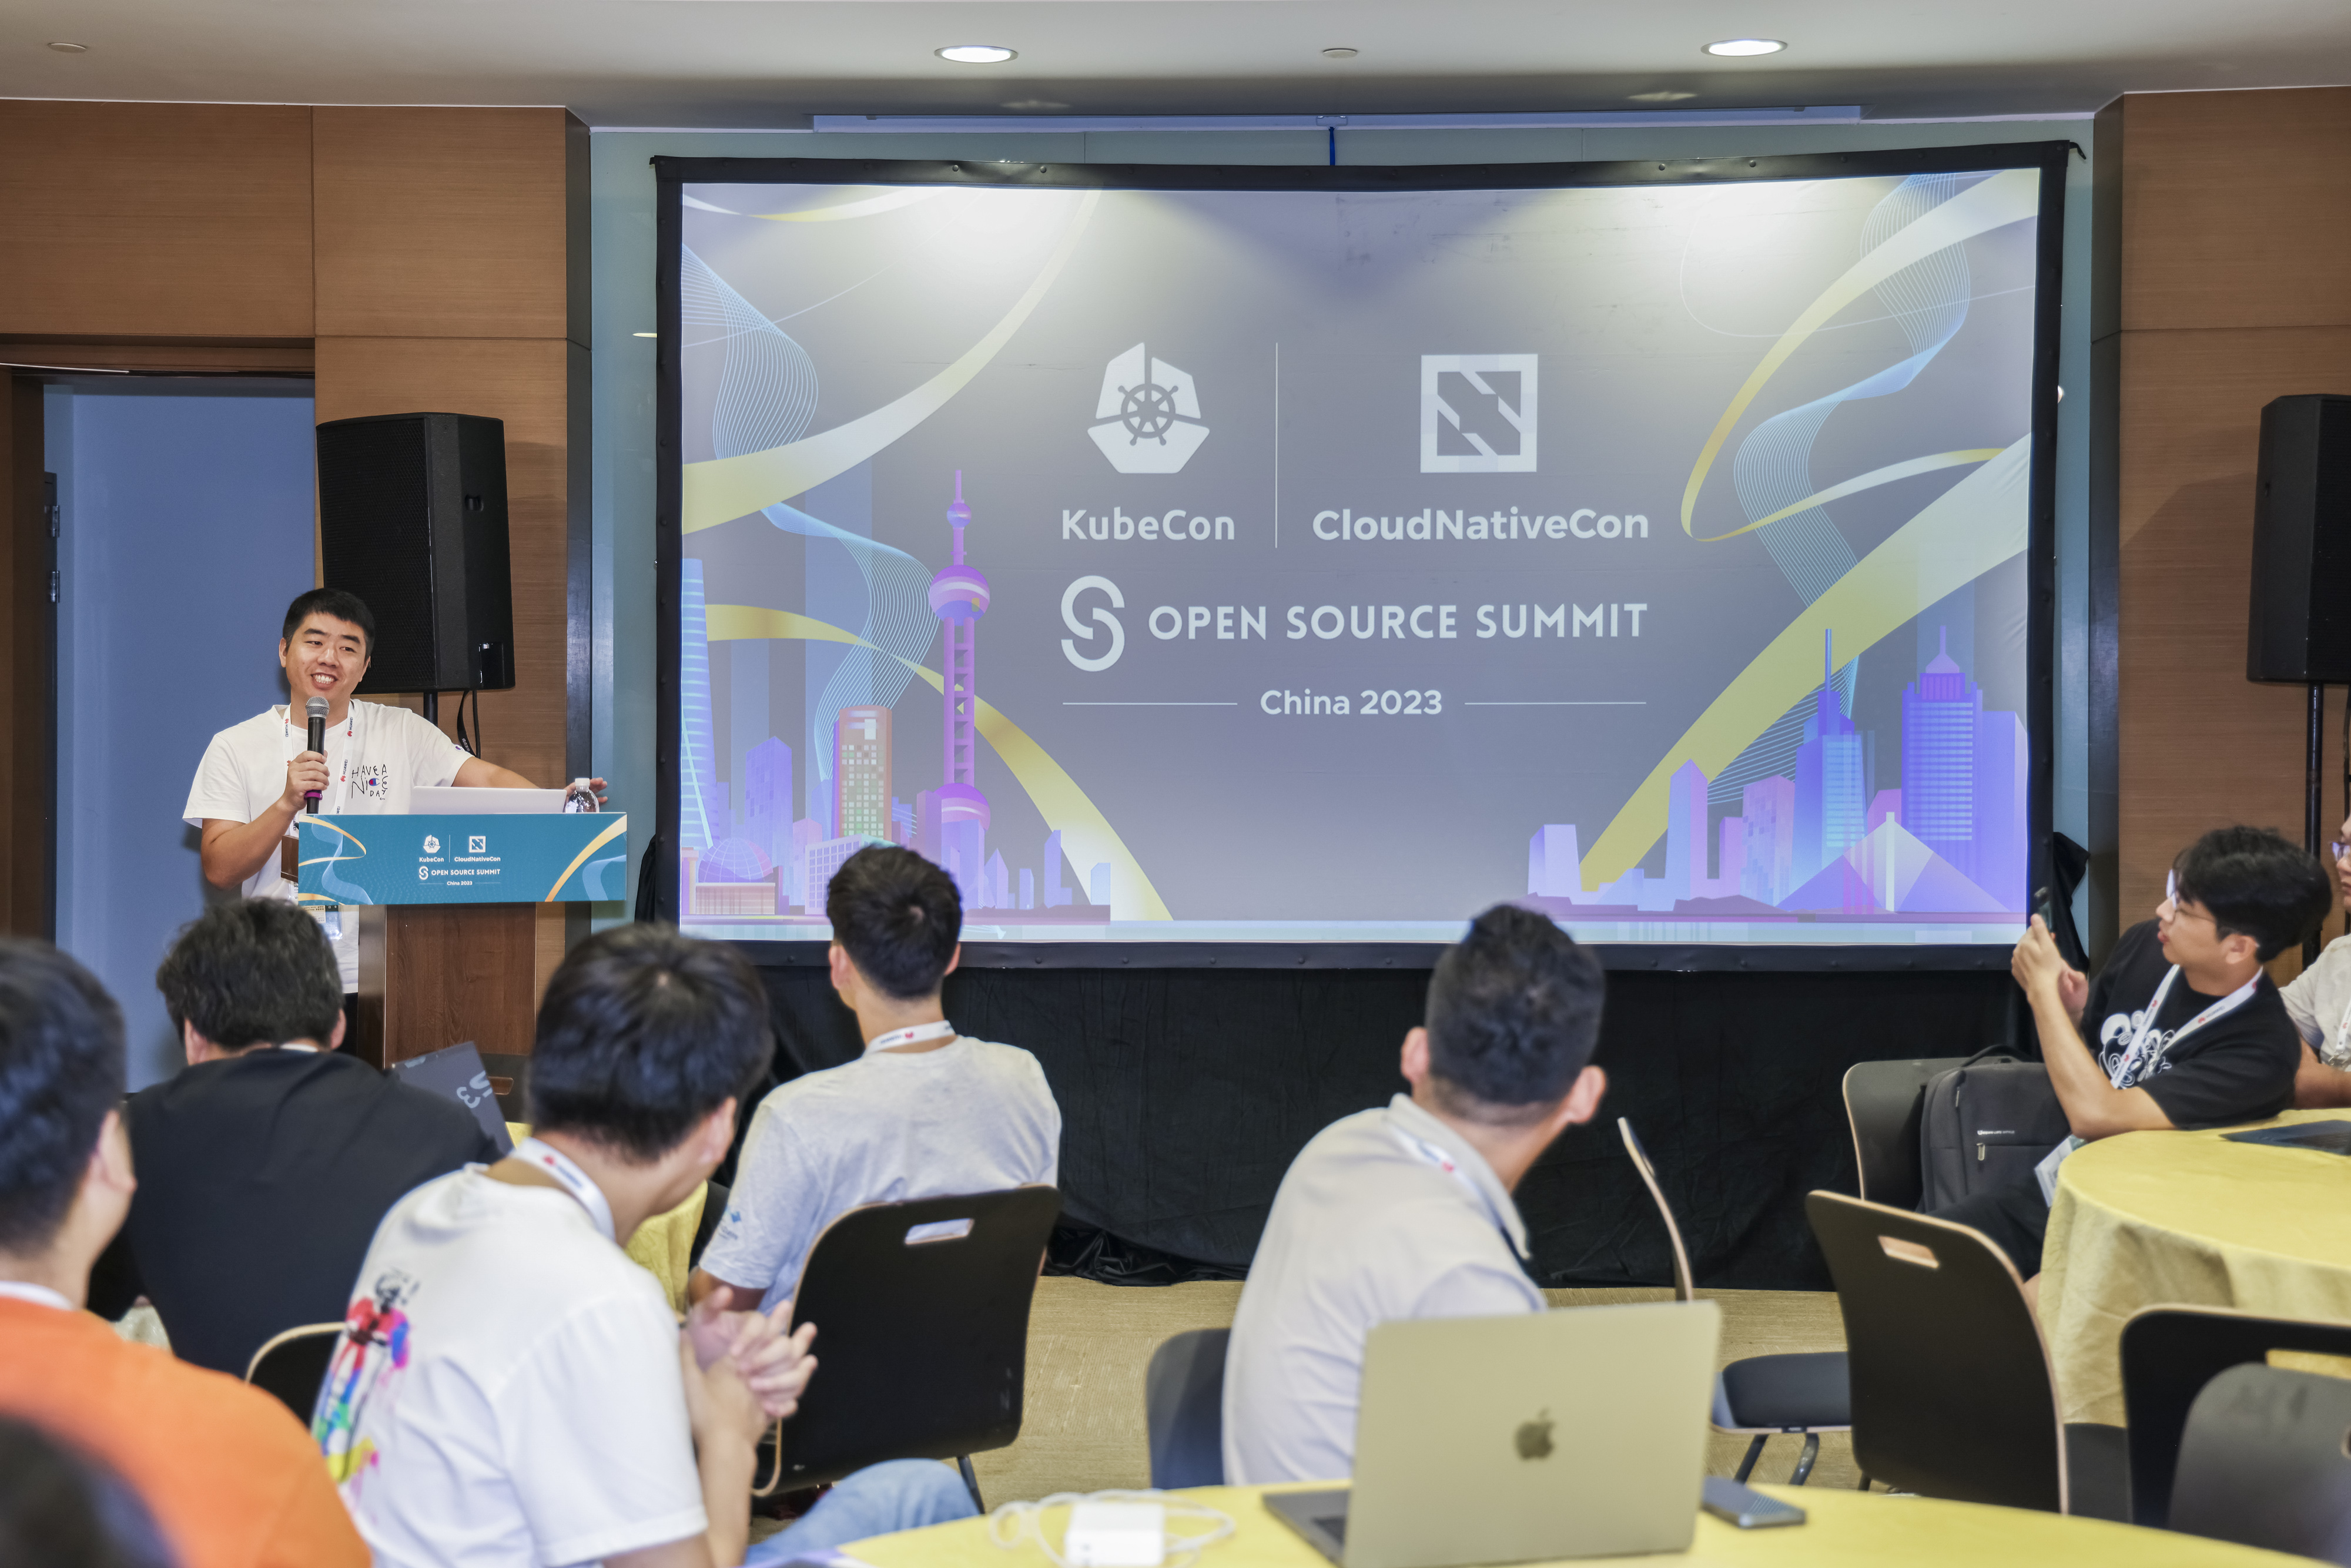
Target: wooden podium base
436	975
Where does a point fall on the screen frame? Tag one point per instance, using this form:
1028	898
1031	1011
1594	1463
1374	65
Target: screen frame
672	175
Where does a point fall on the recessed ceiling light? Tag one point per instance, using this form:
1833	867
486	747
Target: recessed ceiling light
976	53
1033	104
1340	54
65	49
1661	97
644	334
1739	48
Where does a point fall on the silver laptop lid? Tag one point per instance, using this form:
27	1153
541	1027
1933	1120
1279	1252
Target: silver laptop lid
1577	1433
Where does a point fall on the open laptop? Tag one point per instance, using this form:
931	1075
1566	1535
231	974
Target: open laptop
1577	1433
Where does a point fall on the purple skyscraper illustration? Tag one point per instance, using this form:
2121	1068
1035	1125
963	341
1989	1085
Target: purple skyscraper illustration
959	598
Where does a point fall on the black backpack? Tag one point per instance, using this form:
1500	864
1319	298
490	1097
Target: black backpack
1984	1123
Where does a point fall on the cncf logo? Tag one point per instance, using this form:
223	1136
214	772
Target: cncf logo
1478	413
1148	421
1103	617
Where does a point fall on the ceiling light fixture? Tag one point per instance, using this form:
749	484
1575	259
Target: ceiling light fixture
1662	96
1741	49
976	53
644	334
1035	104
65	49
1341	53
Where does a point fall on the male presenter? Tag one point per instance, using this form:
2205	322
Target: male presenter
251	788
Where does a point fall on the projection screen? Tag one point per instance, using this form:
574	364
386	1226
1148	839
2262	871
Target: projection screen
1220	561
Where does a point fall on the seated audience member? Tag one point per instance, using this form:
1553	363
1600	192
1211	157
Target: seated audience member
2319	1000
1405	1211
509	1388
266	1164
58	1508
229	1475
923	1113
2181	1027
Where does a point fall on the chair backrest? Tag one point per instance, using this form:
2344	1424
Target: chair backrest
2169	1355
1882	1103
2262	1463
1953	1391
1682	1288
1183	1407
292	1365
922	1315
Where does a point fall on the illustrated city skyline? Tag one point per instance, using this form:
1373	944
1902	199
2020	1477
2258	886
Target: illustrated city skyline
1949	843
754	860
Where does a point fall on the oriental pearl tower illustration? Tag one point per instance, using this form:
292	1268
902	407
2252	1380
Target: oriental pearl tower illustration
959	598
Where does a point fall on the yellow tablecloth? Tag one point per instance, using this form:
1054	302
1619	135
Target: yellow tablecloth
2150	1219
1844	1527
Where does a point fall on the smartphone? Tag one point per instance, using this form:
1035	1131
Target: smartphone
1749	1510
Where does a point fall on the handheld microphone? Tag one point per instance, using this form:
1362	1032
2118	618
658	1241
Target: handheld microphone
317	710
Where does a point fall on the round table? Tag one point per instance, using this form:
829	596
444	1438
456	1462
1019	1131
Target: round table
1842	1527
2146	1219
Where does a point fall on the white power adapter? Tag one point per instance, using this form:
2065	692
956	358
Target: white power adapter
1116	1535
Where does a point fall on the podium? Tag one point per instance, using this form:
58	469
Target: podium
447	915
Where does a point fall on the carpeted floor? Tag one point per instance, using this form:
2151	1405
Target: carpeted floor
1088	1344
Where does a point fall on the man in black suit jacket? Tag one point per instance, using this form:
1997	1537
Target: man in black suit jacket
265	1167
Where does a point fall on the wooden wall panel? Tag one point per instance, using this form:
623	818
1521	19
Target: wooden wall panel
525	384
154	219
2237	209
442	223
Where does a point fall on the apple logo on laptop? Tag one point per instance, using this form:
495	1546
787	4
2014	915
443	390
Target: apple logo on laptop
1533	1438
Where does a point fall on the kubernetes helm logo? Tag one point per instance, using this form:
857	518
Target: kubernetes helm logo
1147	420
1478	413
432	846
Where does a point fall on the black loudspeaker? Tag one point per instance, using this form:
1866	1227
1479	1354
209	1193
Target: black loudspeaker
2300	628
413	518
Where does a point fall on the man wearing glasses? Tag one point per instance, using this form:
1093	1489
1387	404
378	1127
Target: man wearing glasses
2181	1029
2319	999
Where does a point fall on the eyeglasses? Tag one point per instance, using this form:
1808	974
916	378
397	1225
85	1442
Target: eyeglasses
2171	897
2339	849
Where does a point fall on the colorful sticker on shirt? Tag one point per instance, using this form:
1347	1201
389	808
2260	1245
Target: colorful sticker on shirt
368	1362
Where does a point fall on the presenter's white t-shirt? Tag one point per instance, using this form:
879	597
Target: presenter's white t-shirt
374	759
507	1392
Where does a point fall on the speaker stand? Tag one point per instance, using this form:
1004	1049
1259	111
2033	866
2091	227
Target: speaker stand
432	709
2314	798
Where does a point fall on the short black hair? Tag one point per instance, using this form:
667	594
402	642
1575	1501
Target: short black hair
334	601
2256	885
60	1505
897	916
644	1033
60	1074
1513	1015
256	971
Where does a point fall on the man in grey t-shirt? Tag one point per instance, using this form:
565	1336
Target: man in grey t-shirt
1405	1211
2319	1000
923	1113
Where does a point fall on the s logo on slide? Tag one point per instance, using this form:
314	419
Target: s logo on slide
1148	420
1070	619
1478	413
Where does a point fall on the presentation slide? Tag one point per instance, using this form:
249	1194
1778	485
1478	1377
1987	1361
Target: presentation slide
1325	566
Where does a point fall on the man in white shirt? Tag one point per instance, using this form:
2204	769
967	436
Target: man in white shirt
924	1113
1405	1211
251	787
510	1391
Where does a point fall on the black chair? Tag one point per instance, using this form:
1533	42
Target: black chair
1764	1394
1953	1391
922	1315
2262	1463
2169	1355
1882	1104
1183	1407
292	1365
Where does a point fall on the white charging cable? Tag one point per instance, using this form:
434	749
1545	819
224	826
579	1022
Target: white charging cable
1016	1523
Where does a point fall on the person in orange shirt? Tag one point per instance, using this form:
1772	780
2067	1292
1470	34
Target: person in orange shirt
232	1477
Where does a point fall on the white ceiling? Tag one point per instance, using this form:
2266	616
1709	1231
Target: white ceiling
765	63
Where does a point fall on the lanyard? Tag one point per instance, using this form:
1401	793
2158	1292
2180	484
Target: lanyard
558	1165
942	1030
338	790
2131	1069
1422	1149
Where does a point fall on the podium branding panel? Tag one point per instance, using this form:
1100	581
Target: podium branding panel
489	858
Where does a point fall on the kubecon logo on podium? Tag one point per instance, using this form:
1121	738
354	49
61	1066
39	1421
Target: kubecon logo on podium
1478	413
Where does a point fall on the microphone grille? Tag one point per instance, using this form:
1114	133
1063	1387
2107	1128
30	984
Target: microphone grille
317	707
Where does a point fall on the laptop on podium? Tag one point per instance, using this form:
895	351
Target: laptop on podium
1575	1433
